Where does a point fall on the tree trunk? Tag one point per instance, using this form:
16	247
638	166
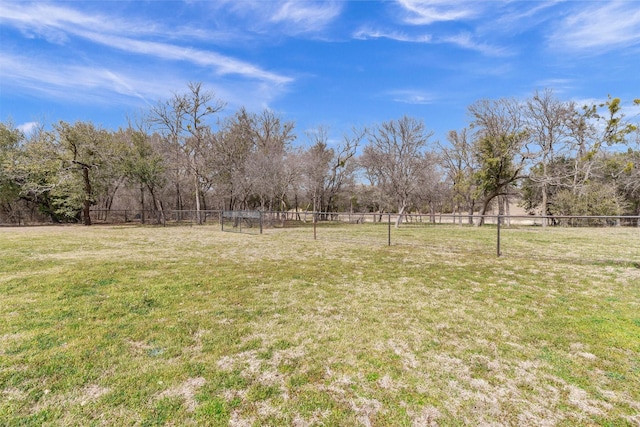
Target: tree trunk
196	185
142	213
545	210
483	210
178	200
400	214
197	191
471	206
86	211
157	205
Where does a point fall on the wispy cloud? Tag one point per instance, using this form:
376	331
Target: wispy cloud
307	16
288	17
50	21
467	41
599	27
411	96
462	40
559	85
82	83
517	17
425	12
220	63
368	33
153	68
418	13
63	23
54	23
86	85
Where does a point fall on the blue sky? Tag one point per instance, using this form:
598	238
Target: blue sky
330	63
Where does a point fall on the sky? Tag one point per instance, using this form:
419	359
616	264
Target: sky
336	64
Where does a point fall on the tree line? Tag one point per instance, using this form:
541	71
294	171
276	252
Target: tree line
554	156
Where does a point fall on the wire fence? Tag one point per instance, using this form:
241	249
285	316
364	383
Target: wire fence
499	232
289	219
568	239
392	229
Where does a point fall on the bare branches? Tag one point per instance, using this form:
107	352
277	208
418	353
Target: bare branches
182	120
395	157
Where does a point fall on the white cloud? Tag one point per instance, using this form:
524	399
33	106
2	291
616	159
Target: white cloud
59	24
558	85
425	12
307	16
221	64
520	16
467	41
463	40
28	128
84	85
46	19
54	23
276	17
411	96
367	33
599	27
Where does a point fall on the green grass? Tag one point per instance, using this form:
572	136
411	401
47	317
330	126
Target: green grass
192	326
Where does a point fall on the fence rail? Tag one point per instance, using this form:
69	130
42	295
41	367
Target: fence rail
274	219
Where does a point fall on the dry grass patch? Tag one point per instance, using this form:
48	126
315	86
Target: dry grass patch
187	326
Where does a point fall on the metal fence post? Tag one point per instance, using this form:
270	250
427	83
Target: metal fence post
498	237
389	229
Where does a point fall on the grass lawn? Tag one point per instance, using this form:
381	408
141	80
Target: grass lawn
193	326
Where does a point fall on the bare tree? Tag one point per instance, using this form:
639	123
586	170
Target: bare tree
395	157
144	166
432	190
182	119
294	175
461	167
248	159
272	137
327	170
316	161
227	161
547	122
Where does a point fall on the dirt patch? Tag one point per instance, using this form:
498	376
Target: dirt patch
366	410
401	349
238	421
13	394
187	391
91	393
428	417
579	398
